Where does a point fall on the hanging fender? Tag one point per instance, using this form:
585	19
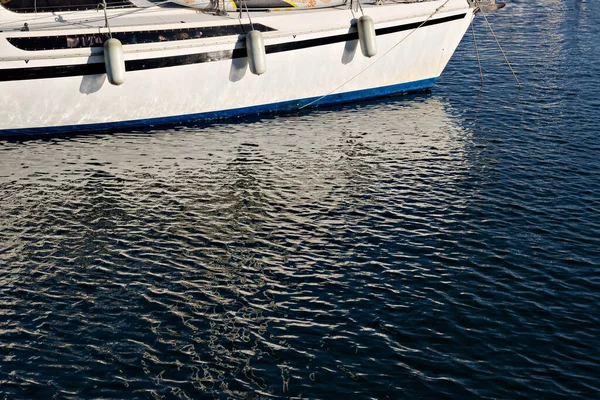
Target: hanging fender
114	61
367	36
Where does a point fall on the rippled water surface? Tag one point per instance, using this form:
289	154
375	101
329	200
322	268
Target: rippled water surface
444	245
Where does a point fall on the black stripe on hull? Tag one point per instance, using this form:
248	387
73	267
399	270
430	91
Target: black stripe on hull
81	41
17	74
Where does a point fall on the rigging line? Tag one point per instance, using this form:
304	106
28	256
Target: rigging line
477	51
500	47
377	60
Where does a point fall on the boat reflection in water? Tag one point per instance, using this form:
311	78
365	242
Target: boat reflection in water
231	259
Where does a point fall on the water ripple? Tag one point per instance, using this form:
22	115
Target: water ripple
440	245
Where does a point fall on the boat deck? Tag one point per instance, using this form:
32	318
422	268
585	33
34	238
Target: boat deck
153	14
146	14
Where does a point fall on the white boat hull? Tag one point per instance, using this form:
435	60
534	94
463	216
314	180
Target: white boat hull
206	81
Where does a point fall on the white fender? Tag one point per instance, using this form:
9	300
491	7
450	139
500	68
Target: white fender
114	60
366	36
257	57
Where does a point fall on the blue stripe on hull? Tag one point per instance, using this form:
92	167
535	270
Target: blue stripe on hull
235	112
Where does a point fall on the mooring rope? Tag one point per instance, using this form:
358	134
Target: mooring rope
477	52
378	59
499	46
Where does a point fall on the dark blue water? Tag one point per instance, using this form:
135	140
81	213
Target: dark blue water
444	245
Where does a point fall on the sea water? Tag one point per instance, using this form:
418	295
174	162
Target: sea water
442	245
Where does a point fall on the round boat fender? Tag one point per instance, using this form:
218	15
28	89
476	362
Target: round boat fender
367	36
114	60
257	57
